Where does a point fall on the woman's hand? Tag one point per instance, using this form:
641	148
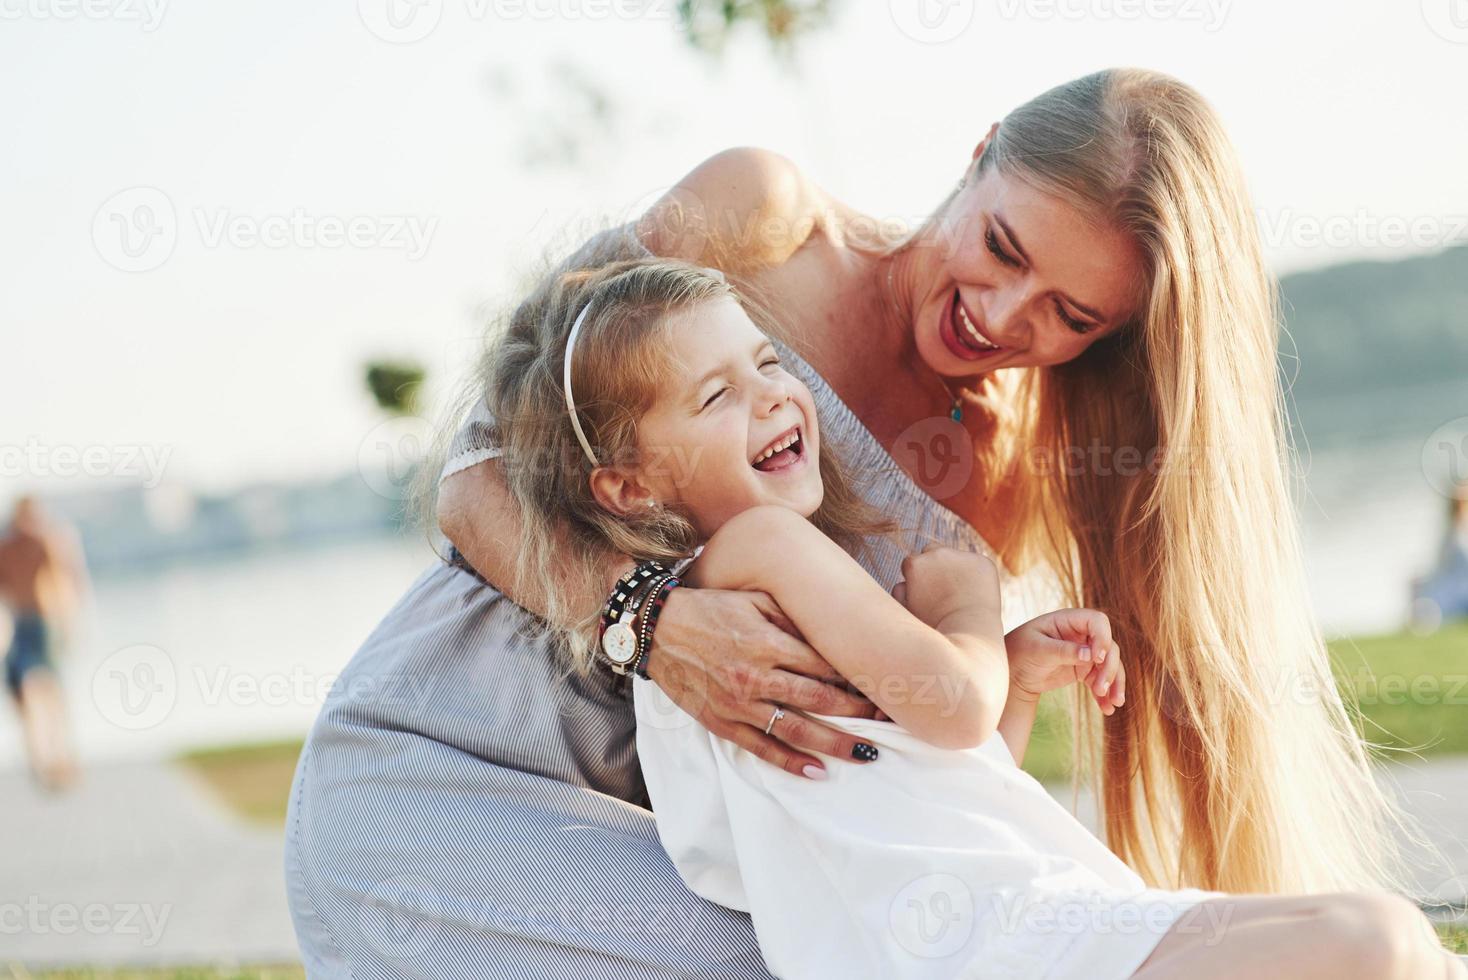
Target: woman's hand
728	658
1065	647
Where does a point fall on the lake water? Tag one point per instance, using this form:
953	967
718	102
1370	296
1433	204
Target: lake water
247	647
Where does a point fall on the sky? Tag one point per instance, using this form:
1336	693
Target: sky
216	213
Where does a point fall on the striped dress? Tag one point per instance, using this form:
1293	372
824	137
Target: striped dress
461	809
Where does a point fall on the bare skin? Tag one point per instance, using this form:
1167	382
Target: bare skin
42	573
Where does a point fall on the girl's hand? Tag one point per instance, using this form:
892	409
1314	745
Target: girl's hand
1065	647
728	658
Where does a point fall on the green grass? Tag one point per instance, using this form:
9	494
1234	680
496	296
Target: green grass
1412	692
252	780
1455	937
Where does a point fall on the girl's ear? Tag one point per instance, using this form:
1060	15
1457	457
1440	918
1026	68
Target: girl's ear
619	492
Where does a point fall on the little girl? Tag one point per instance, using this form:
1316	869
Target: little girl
646	410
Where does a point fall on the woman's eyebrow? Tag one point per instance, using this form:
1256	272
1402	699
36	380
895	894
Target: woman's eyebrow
1014	241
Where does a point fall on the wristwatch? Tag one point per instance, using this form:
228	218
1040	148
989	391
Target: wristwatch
619	641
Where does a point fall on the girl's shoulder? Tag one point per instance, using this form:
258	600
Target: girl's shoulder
738	554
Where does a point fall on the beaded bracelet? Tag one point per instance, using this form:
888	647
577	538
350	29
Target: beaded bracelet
627	587
652	609
621	641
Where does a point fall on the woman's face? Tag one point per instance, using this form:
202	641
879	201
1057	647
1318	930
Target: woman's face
706	444
1019	278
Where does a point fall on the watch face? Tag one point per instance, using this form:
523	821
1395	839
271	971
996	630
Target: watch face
619	643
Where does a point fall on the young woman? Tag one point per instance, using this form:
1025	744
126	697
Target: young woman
643	410
1096	280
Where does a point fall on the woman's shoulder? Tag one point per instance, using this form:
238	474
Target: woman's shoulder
745	207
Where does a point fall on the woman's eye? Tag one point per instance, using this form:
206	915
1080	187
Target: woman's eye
992	241
1070	321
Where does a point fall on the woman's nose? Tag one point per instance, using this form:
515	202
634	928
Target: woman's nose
1006	317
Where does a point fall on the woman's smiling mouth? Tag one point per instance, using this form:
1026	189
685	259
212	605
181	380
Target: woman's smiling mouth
961	335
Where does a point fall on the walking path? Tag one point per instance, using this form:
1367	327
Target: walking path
140	865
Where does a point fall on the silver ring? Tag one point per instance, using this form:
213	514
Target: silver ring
779	713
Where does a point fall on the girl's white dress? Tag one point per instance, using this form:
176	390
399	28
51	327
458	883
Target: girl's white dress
926	863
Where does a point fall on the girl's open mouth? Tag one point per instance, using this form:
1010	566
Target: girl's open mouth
785	451
961	335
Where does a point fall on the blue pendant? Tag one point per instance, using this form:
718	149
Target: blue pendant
957	413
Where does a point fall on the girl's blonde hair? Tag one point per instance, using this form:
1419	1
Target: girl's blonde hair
618	363
1153	475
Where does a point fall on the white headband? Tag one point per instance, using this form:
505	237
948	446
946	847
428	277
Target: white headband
566	372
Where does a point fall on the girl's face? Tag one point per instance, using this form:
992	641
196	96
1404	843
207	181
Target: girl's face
731	429
1022	278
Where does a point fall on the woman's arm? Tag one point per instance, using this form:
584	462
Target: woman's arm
936	666
719	655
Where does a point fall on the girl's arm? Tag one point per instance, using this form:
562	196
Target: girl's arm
937	666
1017	721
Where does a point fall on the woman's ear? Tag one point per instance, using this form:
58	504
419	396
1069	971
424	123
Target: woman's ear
619	492
983	143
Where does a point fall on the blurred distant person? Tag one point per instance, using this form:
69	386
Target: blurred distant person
1443	592
42	580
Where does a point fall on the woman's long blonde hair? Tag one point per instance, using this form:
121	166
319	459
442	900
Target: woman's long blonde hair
617	366
1235	764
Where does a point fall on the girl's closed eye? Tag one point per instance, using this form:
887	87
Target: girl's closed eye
714	397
